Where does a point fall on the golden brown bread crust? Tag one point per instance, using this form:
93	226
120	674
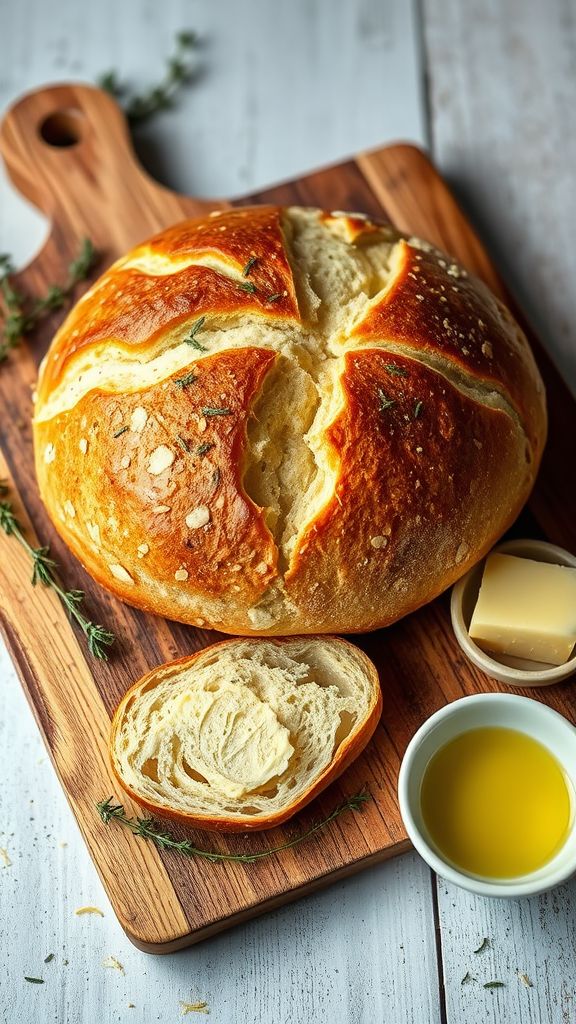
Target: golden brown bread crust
346	753
434	423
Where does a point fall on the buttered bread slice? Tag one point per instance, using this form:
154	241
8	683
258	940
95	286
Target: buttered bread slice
244	733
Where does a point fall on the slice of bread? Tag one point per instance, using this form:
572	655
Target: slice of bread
244	733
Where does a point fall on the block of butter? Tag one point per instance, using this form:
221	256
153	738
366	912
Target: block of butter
526	609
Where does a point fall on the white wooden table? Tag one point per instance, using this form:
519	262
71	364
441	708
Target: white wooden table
491	86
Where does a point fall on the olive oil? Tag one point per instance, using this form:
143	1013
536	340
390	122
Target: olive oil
496	803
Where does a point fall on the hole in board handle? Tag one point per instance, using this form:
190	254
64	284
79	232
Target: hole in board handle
62	129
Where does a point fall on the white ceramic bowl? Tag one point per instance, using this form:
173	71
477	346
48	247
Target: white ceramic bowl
488	709
505	668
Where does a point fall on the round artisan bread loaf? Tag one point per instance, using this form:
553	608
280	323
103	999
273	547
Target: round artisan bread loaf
244	733
278	421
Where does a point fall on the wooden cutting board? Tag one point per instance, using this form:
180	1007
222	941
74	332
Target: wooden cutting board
67	149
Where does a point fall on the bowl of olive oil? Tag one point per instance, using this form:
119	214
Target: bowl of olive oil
487	793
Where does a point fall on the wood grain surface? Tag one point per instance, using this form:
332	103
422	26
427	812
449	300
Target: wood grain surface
94	187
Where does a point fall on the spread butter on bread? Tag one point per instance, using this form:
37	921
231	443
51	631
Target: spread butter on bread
245	733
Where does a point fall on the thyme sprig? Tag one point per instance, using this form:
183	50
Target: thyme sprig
146	829
43	571
20	317
140	107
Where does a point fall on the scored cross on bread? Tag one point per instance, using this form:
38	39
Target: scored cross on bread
274	421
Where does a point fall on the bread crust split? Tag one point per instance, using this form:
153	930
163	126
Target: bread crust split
277	421
284	716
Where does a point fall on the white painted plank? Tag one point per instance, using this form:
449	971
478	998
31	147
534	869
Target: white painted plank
503	86
359	952
533	937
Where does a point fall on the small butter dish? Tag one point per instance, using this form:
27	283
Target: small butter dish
506	668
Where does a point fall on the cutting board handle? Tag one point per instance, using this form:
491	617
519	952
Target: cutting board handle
67	148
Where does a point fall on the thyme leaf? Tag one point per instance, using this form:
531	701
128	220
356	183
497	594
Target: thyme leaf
203	448
385	402
209	410
147	829
396	370
418	409
248	286
183	443
274	297
191	339
483	945
120	432
249	265
184	382
494	984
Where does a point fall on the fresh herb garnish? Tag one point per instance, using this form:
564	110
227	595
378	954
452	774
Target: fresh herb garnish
385	402
274	297
141	107
467	977
183	443
483	945
48	959
494	984
203	448
396	370
184	382
120	432
22	316
248	286
34	981
418	409
214	411
145	828
191	339
43	571
249	265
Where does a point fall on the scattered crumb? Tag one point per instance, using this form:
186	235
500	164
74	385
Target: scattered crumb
525	979
261	568
202	424
49	454
143	549
115	964
160	460
161	508
83	445
62	843
194	1007
181	574
89	910
125	462
5	858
